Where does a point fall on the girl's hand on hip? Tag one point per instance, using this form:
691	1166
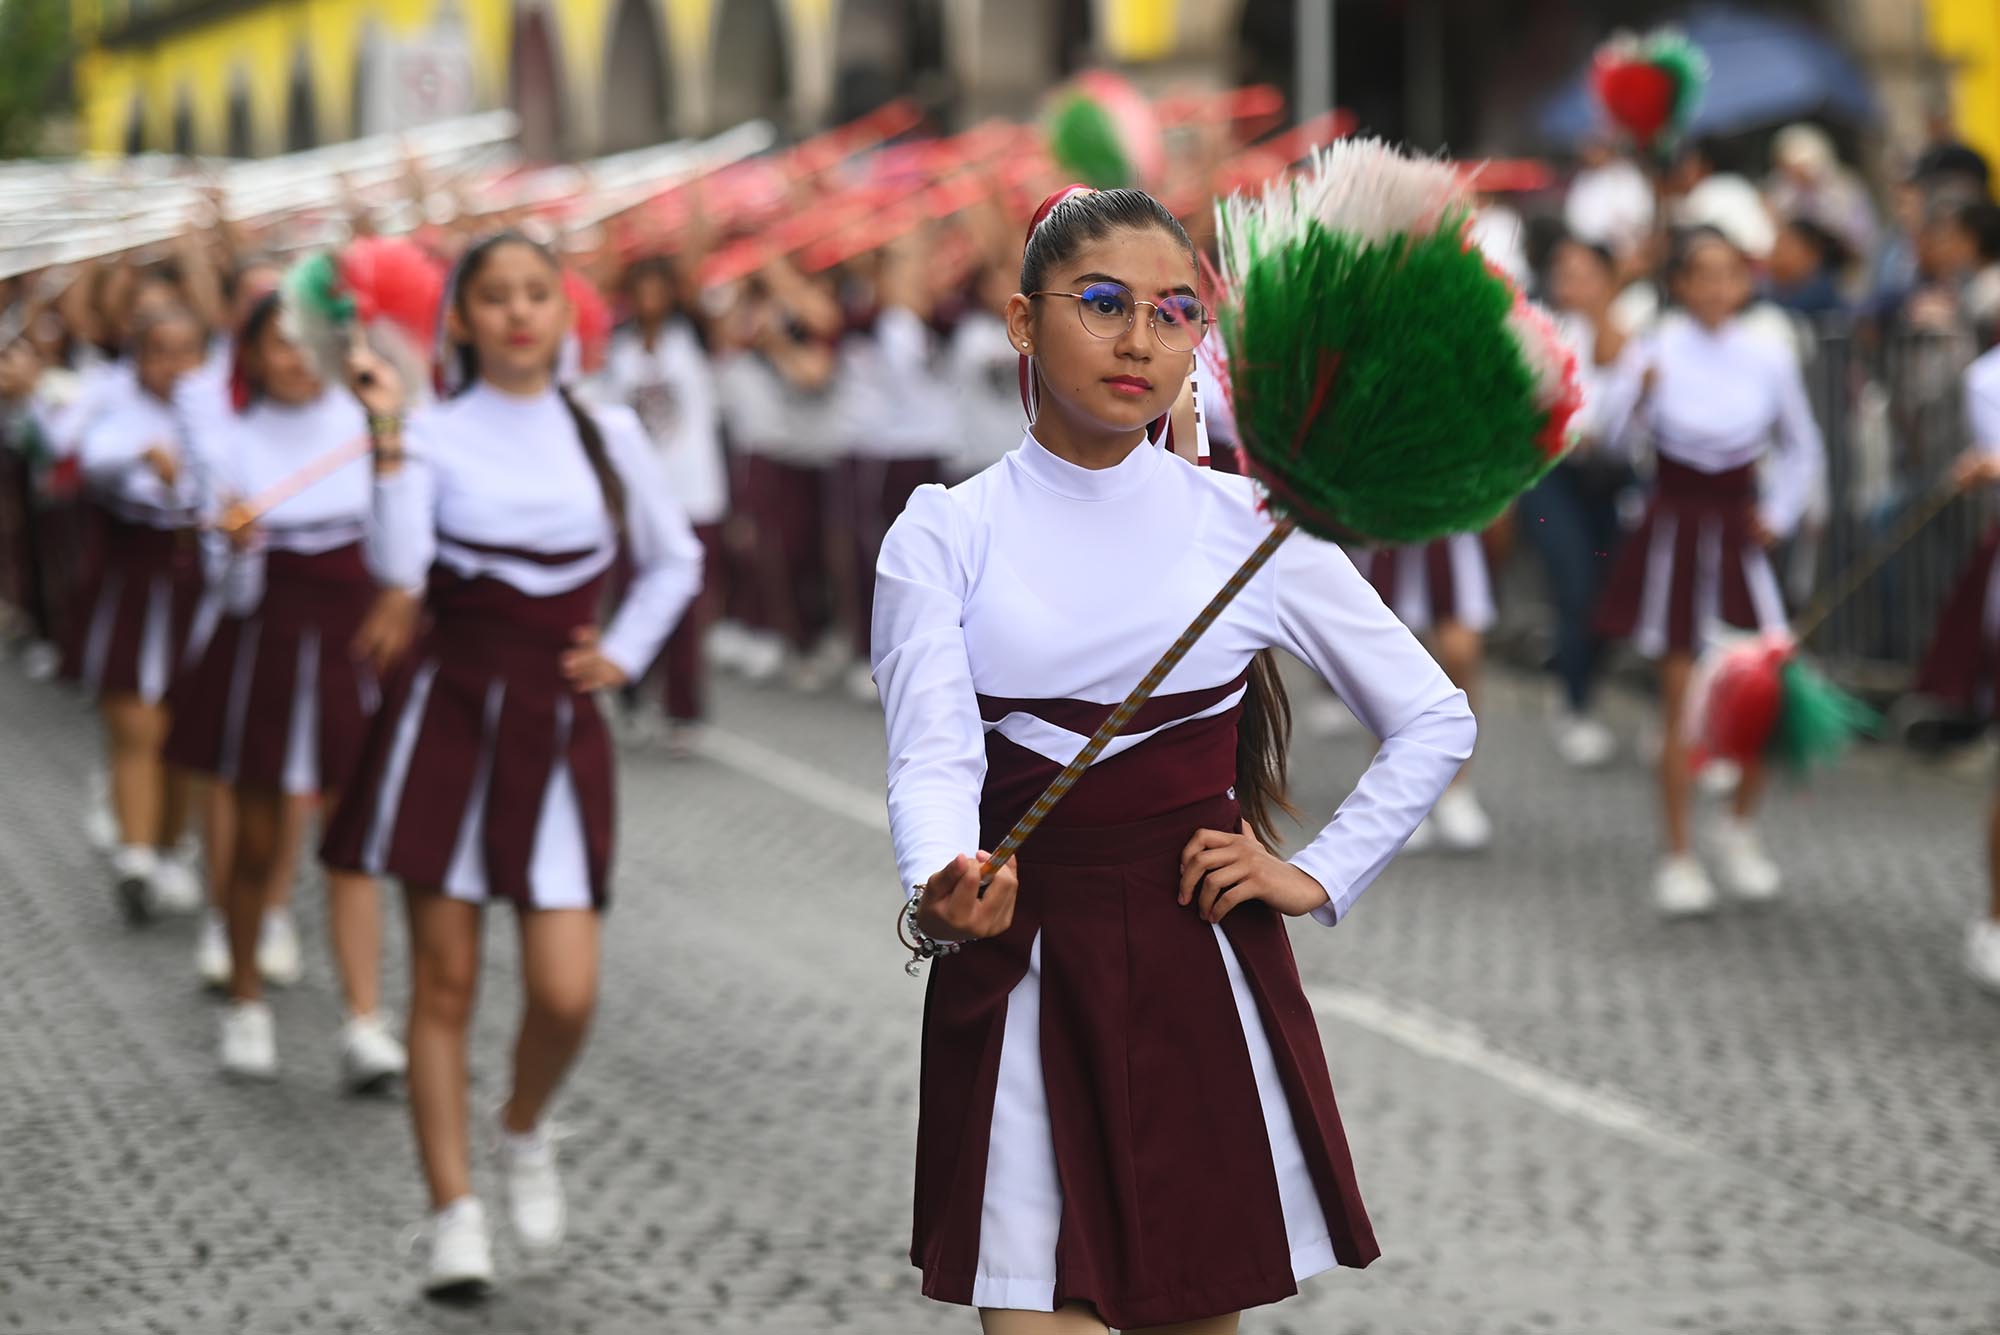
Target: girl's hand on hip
1220	871
386	632
952	908
585	666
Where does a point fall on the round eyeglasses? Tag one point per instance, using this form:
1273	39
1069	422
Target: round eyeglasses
1108	309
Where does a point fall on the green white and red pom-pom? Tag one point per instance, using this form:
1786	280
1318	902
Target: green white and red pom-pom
1759	699
383	283
1650	87
1101	130
1389	384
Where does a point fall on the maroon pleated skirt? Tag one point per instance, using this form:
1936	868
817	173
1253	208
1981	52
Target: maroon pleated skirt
1447	580
471	729
1170	1199
140	594
1691	563
1963	665
277	699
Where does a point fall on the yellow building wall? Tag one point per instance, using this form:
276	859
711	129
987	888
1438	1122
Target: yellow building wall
1966	34
256	47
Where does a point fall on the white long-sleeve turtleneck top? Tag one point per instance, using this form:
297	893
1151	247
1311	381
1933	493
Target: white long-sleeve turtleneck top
492	470
1038	579
1723	399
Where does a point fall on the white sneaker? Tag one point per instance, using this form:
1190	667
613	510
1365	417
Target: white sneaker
534	1191
278	956
1681	889
1328	718
1982	954
370	1056
1584	743
461	1260
211	951
100	823
725	644
249	1043
1718	778
40	660
860	684
684	739
763	656
177	882
1746	869
132	870
1462	824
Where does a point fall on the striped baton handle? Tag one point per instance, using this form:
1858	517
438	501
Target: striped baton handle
316	471
1141	693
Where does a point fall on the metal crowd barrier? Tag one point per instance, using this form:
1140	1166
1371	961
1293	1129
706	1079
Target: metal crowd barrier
1892	410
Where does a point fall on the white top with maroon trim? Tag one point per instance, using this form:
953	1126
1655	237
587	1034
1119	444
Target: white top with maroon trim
1723	399
1041	579
128	423
243	455
490	470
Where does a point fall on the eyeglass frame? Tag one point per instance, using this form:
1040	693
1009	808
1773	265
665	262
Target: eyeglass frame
1152	321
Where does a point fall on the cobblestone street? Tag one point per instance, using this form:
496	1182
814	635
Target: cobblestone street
1567	1116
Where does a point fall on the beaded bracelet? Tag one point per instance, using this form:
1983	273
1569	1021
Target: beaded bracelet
384	424
921	946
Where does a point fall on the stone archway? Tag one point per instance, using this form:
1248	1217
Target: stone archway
1010	52
637	108
182	142
239	136
535	87
751	70
301	114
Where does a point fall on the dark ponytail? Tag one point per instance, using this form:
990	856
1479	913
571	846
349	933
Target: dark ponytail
1264	732
595	451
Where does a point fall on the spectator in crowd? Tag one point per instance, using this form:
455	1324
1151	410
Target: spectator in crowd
1805	269
1705	197
1610	201
1810	182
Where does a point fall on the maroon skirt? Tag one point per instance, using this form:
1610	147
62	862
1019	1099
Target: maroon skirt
463	750
277	698
1963	665
1170	1201
1691	563
1447	580
139	598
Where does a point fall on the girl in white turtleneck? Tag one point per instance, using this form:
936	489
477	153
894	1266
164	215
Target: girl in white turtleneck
1738	456
488	773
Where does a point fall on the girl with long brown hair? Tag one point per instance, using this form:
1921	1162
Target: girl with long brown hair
1126	1116
488	776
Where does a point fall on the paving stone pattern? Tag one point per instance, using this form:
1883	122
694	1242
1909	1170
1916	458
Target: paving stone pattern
742	1122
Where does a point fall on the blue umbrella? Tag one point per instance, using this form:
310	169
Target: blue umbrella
1763	70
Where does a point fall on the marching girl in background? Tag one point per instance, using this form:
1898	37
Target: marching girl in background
1963	665
777	392
1126	1117
140	604
658	367
1719	402
1571	516
279	704
488	773
983	377
1443	591
897	416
